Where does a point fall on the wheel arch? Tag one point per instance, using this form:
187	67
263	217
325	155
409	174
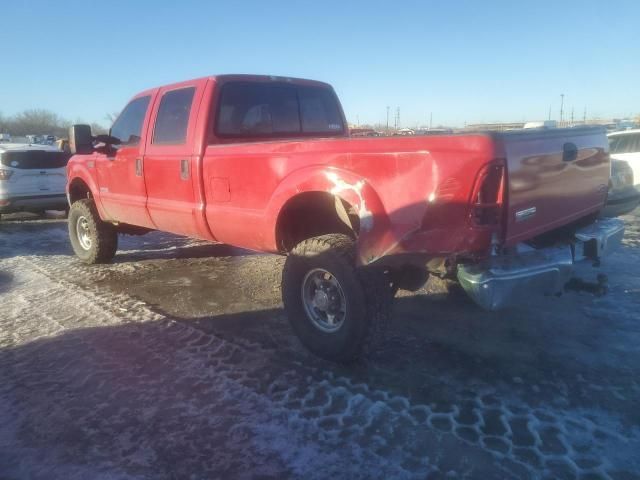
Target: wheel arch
313	213
78	189
326	198
82	184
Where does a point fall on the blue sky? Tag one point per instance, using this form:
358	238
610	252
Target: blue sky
462	61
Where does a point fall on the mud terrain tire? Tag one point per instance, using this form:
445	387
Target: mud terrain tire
93	240
364	292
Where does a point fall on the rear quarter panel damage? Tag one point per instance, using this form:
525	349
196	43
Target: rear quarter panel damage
411	194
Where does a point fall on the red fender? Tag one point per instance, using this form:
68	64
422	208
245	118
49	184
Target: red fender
82	170
353	189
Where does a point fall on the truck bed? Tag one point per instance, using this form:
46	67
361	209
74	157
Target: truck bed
413	194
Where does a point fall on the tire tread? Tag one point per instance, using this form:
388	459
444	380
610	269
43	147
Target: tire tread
106	237
375	285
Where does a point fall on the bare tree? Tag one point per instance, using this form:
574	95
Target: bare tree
111	117
40	122
98	129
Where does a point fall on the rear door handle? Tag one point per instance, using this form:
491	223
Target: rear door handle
184	169
569	152
138	167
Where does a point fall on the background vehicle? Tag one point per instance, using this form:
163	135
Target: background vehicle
265	163
623	197
542	124
32	178
625	145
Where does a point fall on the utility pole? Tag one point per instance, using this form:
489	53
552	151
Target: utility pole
357	120
584	117
387	118
397	118
549	111
430	120
571	115
561	106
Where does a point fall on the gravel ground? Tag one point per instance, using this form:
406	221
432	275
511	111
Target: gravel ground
176	361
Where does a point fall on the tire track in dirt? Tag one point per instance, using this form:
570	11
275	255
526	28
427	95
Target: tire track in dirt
387	430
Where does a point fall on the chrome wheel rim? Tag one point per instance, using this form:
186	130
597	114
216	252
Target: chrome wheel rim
323	300
83	232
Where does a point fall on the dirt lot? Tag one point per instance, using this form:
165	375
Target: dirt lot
177	362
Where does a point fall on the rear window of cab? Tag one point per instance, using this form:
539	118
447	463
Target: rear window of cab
276	110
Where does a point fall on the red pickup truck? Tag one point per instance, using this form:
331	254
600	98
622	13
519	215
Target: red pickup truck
266	163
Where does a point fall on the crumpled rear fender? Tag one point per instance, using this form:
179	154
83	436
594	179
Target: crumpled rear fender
353	189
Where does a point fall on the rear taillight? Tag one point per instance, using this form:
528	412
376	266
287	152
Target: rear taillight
5	174
488	196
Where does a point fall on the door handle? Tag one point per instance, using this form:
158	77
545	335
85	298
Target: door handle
138	167
184	169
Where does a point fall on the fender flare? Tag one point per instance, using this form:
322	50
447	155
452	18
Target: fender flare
79	171
350	187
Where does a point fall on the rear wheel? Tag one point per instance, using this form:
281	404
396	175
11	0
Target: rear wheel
337	310
93	240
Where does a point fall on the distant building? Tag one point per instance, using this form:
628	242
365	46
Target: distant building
495	126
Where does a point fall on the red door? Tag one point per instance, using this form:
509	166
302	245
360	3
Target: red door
120	172
171	160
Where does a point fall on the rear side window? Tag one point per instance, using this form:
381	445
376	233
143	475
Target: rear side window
128	125
251	109
173	117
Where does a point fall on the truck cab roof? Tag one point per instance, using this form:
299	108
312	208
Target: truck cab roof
243	77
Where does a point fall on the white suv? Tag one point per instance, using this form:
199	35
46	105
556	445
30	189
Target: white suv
32	178
625	145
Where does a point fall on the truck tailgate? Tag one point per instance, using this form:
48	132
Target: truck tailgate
554	177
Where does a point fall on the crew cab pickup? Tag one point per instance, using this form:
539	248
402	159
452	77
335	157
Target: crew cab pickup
266	163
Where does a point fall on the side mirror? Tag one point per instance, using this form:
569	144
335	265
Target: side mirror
80	139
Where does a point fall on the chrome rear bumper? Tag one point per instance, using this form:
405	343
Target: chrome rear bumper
503	280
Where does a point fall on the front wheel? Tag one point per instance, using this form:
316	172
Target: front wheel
93	240
337	310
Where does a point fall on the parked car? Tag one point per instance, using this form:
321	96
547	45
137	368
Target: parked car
623	197
542	124
32	178
625	145
266	163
